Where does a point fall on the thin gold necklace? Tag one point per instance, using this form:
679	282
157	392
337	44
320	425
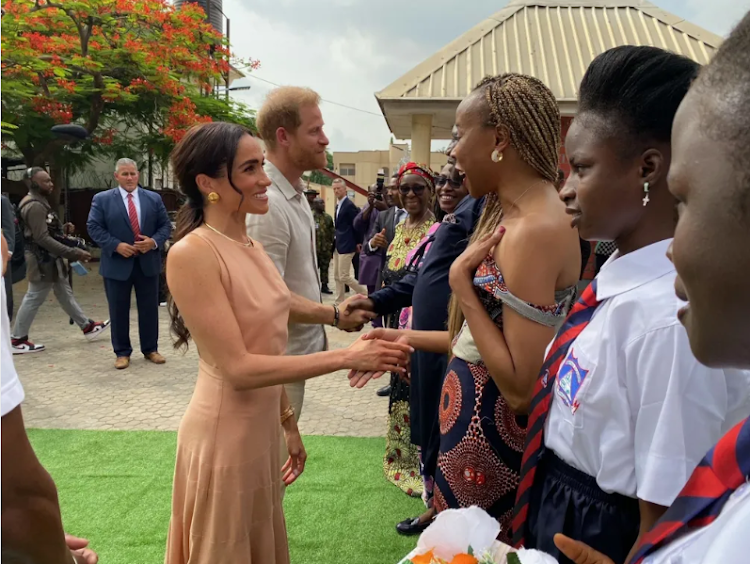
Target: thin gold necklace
248	244
542	181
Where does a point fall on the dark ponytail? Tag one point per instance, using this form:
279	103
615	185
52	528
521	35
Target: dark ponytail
206	149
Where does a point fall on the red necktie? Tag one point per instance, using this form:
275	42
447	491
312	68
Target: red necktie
725	468
133	215
577	320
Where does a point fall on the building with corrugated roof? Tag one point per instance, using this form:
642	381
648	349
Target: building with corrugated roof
553	40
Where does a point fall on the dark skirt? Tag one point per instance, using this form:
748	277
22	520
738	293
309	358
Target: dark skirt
481	445
568	501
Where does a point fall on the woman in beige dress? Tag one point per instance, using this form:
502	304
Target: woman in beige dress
229	298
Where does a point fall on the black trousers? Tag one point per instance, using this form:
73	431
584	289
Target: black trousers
147	300
568	501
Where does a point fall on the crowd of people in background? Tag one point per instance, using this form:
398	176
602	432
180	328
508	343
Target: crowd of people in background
582	416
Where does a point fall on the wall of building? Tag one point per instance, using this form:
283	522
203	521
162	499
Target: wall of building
366	164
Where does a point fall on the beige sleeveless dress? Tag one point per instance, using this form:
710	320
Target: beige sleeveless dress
226	501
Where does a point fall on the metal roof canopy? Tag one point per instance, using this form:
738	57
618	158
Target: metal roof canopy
553	40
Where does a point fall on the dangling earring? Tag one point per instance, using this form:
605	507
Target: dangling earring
497	156
213	197
646	199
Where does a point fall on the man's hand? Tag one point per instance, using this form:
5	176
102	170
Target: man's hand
126	250
359	248
84	256
361	302
145	244
81	553
69	228
579	552
354	319
379	241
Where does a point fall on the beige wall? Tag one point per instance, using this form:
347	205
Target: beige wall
367	163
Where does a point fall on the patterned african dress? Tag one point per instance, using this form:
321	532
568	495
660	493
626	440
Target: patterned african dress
401	460
481	439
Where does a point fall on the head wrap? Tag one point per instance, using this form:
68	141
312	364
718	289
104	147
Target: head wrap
420	170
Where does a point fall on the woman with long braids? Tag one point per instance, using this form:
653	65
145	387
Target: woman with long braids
228	296
508	297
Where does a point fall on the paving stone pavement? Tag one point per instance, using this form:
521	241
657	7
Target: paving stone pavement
74	385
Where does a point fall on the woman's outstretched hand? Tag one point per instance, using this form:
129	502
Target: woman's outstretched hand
579	552
464	267
371	354
359	378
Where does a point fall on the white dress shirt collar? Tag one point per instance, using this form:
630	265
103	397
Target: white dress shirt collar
621	274
277	177
124	193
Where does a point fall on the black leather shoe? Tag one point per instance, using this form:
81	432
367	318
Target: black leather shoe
325	290
384	392
411	527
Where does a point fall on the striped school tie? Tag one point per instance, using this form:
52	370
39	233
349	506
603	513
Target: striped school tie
577	320
725	468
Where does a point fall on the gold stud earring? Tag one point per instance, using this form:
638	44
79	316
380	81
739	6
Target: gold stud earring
497	156
213	197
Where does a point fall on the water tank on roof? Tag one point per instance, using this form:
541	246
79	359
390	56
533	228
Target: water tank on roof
213	11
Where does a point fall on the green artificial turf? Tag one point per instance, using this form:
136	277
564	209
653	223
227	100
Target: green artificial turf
115	489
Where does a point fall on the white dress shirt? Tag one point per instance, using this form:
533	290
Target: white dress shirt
136	201
725	541
287	233
11	392
632	406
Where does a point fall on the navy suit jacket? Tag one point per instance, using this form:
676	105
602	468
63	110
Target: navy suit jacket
346	238
109	225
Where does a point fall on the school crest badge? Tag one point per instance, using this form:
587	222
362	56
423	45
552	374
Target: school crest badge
570	379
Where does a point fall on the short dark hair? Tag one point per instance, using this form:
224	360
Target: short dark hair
33	171
724	86
637	91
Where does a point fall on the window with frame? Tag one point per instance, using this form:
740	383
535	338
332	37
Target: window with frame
347	169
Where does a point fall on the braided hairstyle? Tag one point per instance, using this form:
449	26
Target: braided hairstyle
527	109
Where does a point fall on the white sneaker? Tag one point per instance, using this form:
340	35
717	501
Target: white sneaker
95	329
24	346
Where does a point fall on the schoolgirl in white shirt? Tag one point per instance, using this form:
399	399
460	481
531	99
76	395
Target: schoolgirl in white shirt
631	411
708	522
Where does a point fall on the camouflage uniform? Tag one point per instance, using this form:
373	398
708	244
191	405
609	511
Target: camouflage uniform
324	233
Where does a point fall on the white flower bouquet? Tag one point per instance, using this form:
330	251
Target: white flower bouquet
468	536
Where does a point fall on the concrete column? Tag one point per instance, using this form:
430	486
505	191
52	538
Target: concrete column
421	138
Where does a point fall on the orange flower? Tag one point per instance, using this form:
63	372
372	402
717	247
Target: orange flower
464	559
425	558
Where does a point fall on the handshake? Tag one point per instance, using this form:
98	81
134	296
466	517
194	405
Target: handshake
391	348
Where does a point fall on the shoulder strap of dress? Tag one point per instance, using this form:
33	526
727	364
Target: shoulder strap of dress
552	318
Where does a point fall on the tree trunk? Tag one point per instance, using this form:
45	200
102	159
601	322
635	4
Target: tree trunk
57	172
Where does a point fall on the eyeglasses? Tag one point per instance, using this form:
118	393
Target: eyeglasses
418	189
443	180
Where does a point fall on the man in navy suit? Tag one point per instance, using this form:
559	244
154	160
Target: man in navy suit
346	243
130	224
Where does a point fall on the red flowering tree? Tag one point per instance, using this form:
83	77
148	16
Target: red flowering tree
138	72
